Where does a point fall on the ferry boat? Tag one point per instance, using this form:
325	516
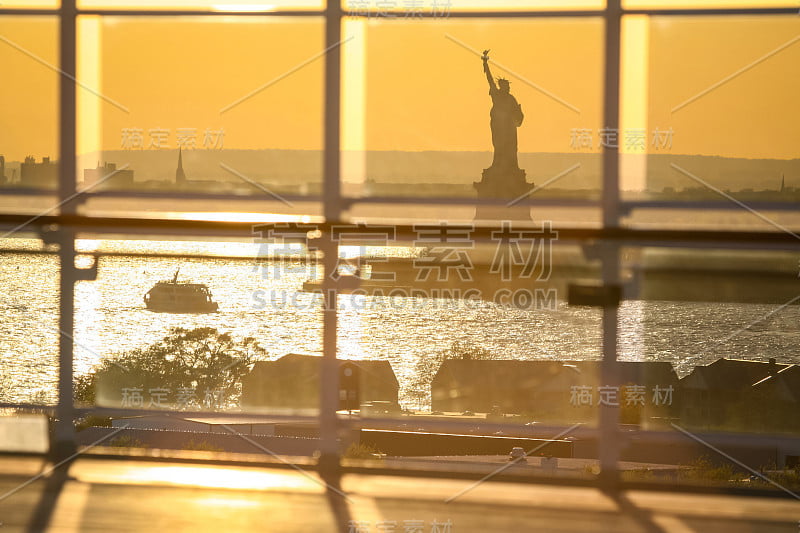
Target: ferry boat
173	296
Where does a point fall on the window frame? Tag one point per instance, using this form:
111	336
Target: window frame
610	237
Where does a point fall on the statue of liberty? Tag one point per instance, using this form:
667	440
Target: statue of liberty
504	179
506	117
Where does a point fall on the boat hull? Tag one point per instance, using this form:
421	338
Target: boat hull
164	307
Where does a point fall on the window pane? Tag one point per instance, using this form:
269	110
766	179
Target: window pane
31	3
443	8
718	125
29	325
726	321
176	113
699	4
478	334
417	116
211	5
199	328
29	53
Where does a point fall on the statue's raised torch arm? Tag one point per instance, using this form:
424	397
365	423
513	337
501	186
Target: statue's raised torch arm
489	78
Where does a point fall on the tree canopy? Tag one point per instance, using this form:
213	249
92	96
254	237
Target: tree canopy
186	369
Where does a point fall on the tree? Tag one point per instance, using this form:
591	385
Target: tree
200	360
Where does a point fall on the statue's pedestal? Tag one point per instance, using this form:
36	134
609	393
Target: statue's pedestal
507	184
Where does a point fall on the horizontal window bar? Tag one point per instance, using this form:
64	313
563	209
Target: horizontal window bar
451	14
481	232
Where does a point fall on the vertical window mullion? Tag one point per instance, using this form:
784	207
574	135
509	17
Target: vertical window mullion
609	415
64	430
331	197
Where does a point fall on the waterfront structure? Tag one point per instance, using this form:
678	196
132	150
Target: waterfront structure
713	394
555	391
107	177
38	175
772	403
293	382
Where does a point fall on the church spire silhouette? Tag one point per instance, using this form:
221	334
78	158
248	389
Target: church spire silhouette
180	175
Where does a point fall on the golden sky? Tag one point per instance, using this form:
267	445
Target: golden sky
755	113
28	90
408	85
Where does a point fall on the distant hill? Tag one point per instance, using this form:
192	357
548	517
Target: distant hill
725	173
446	168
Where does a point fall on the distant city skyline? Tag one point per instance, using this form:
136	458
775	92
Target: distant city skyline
409	173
